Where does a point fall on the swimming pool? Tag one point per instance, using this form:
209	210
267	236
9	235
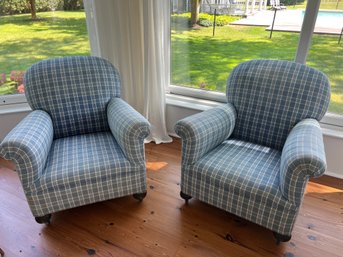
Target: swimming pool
328	18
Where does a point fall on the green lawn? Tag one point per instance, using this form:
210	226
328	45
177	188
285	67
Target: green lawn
23	42
324	5
199	59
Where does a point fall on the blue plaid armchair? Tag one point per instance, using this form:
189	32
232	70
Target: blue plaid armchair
81	144
254	155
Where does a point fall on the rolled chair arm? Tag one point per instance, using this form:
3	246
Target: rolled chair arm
302	157
202	132
28	146
129	128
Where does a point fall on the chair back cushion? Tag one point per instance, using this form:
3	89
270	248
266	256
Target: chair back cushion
271	96
74	91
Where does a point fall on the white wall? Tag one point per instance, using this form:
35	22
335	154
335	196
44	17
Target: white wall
8	121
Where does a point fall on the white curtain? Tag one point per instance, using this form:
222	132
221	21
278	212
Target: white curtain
133	35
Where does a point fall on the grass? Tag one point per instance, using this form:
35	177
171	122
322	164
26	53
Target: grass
324	5
198	59
24	42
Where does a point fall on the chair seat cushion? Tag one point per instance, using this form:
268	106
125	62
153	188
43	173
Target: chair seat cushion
86	168
242	178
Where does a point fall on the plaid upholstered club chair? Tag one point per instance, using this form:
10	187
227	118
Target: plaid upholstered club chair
254	155
81	144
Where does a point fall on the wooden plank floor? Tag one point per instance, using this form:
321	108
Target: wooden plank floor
162	225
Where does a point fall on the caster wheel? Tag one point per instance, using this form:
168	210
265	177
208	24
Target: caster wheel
185	196
44	219
281	238
139	196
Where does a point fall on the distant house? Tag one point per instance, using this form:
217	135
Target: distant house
238	7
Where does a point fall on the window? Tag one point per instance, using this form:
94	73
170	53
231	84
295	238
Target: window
24	41
326	52
203	56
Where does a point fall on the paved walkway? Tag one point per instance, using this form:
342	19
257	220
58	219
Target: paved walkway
291	21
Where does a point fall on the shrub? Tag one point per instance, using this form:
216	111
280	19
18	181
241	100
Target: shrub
10	7
291	2
206	19
16	81
48	5
17	76
2	78
205	23
69	5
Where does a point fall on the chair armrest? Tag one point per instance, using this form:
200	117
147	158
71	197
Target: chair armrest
202	132
28	146
302	157
129	128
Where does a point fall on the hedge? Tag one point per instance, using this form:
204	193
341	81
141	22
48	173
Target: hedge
10	7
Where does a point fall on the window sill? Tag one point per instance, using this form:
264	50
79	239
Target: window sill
14	108
12	99
332	131
190	102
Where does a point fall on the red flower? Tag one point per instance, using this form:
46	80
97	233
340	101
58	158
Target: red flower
2	78
13	75
21	89
17	76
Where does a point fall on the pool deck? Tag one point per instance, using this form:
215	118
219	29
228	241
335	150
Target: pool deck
288	21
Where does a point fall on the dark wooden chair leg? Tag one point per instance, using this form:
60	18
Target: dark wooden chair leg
185	196
281	238
139	196
44	219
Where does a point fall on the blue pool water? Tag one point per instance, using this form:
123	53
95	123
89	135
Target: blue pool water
331	18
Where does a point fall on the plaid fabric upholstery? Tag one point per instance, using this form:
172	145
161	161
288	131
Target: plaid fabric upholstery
255	158
204	131
28	145
85	169
303	156
242	178
272	96
129	128
65	153
74	91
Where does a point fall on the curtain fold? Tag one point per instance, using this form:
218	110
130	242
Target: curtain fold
133	35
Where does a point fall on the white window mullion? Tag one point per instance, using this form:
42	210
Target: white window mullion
307	29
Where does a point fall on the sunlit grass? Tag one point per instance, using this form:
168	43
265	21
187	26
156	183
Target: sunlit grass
199	59
324	5
24	42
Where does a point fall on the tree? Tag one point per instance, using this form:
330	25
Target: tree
32	4
195	10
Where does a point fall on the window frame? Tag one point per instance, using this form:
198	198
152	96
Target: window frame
12	99
312	9
330	119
